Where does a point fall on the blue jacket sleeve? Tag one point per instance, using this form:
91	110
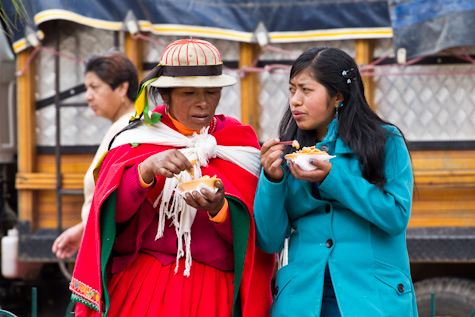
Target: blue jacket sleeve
270	214
388	209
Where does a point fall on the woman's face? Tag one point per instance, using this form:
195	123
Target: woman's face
193	107
310	104
104	101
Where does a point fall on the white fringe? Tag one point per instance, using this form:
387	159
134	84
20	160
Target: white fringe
283	255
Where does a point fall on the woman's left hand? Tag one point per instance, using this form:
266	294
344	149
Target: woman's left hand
212	202
316	176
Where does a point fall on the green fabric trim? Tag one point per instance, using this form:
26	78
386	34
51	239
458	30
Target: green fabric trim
107	225
241	223
81	300
107	233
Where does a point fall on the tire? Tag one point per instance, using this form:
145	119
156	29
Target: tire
454	297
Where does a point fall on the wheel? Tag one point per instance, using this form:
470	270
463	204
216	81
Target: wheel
453	297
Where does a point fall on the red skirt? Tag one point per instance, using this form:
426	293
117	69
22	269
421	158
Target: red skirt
147	288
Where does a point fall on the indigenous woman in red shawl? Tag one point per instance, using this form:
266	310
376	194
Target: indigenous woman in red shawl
150	249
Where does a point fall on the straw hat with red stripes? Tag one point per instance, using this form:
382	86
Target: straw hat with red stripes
184	63
192	63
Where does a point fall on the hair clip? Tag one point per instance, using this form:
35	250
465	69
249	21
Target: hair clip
348	75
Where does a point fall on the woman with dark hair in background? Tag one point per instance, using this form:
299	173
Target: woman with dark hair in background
111	82
340	224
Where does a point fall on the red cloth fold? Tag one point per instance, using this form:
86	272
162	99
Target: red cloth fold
148	288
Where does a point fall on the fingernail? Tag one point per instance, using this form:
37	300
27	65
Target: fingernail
311	160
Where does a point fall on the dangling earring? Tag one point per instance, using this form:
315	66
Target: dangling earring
333	126
340	104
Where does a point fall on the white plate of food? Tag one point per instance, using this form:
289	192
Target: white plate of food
302	157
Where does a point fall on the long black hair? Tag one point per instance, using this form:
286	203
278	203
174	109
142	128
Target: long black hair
358	125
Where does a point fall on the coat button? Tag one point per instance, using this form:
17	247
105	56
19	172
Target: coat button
276	290
324	147
400	288
328	209
329	243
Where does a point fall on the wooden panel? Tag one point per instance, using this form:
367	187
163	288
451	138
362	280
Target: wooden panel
70	163
133	48
443	160
363	57
444	193
36	181
444	178
444	205
26	131
442	218
248	54
73	167
46	208
432	194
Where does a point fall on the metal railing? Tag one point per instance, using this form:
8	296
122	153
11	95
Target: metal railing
34	307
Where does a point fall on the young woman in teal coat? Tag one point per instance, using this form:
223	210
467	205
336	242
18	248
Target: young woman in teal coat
340	228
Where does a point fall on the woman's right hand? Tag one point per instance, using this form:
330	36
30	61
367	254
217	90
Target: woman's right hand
166	163
271	159
68	242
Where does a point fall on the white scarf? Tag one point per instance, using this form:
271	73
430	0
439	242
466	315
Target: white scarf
200	147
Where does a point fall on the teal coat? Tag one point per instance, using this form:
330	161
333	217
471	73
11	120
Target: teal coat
357	229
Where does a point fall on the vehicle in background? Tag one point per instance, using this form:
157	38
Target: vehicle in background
432	100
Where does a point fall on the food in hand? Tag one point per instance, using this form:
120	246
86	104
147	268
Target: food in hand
302	157
311	150
307	150
191	171
198	184
296	144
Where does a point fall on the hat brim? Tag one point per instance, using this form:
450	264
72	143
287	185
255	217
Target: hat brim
193	81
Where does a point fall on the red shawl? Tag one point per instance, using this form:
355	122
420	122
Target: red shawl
253	268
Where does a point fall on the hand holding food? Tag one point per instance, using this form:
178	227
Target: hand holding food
166	163
294	143
198	184
316	175
211	196
271	158
302	158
